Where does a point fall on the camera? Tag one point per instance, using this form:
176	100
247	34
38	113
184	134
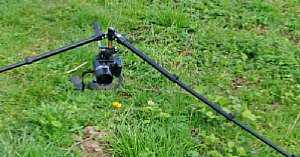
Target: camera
106	66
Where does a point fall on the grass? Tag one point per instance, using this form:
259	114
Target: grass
244	56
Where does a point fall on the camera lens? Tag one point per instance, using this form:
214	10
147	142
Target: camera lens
103	73
105	76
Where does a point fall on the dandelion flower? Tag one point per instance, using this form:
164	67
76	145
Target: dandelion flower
117	104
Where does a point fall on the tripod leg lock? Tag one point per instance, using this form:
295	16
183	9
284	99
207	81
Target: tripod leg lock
28	60
175	77
230	116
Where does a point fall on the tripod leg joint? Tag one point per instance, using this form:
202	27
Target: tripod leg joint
175	77
230	116
28	60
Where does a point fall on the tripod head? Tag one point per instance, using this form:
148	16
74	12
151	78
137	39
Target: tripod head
106	66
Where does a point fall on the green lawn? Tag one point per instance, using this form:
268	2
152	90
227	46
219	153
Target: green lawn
244	56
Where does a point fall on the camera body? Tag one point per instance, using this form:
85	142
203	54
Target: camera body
106	66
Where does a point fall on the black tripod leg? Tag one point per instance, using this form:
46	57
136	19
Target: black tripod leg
97	28
28	60
175	79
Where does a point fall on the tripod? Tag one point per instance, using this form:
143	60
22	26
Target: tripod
106	66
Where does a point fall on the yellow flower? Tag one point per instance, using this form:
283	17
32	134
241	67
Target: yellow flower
117	104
